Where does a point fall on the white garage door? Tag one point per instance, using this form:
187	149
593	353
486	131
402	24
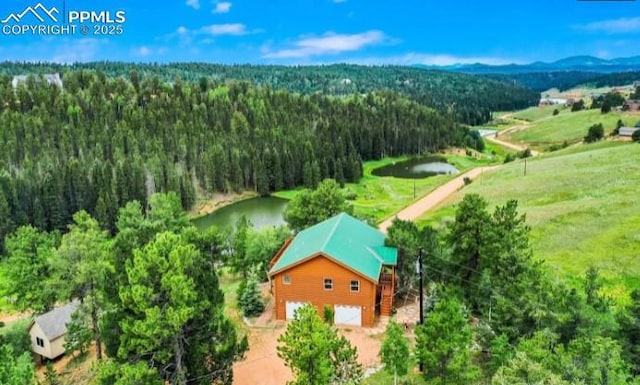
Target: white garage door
348	315
291	308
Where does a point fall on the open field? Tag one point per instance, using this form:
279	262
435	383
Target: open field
570	127
581	204
380	197
536	113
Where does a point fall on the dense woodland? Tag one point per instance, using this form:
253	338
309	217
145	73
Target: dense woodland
102	141
471	99
565	80
149	297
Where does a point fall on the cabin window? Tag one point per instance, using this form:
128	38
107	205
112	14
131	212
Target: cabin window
354	286
328	284
40	342
286	279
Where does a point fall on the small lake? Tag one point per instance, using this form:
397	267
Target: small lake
417	168
262	212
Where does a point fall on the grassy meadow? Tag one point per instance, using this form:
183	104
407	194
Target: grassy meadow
380	197
536	113
582	205
566	126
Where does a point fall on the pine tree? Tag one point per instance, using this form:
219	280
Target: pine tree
79	336
395	351
173	318
315	353
250	300
443	341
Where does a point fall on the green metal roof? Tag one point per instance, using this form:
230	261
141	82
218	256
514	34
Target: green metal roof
345	239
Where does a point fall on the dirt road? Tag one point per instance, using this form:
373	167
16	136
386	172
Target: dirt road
512	146
430	200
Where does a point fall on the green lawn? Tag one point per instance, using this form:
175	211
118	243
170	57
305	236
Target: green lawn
568	126
380	197
582	205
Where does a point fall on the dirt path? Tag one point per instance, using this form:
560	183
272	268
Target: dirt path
430	200
512	146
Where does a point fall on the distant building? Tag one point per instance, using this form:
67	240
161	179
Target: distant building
47	331
552	102
631	105
54	79
627	131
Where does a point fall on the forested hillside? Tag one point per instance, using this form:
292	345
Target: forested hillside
565	80
102	142
471	98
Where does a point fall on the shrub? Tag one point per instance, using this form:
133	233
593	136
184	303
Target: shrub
556	112
328	314
349	194
595	133
16	336
467	180
524	154
577	106
636	136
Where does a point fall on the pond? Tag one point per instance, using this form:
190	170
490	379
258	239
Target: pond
262	212
417	168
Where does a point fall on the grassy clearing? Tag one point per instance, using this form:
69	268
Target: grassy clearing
383	378
380	197
581	204
536	113
497	150
229	283
570	127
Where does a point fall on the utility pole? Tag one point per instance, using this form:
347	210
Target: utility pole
525	166
420	272
414	189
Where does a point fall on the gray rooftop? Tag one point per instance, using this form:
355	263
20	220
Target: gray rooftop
627	131
54	323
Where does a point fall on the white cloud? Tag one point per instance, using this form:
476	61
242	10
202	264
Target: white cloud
82	50
431	59
182	30
235	29
329	44
223	7
146	51
195	4
613	26
143	51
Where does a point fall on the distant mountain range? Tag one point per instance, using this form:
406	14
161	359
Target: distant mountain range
574	63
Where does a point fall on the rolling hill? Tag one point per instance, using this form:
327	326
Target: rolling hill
581	204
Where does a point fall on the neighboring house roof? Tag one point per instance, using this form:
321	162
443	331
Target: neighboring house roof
54	323
347	240
627	131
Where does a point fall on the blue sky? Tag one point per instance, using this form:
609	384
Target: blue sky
329	31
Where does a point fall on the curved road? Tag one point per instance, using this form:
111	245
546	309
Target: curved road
416	209
512	146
